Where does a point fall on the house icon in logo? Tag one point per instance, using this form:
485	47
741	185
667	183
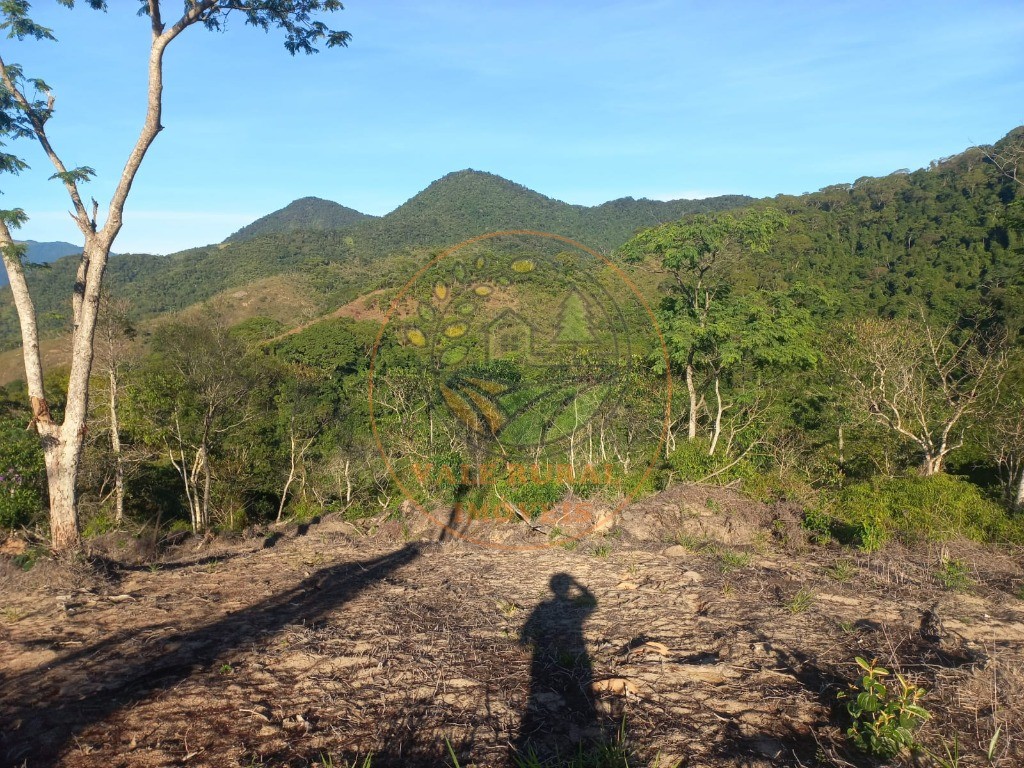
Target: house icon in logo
509	335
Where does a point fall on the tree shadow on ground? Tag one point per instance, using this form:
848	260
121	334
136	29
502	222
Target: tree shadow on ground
39	724
114	571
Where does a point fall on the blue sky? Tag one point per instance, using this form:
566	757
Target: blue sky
582	100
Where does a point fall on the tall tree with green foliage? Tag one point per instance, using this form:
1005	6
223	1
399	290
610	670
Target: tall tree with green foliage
701	256
26	106
191	395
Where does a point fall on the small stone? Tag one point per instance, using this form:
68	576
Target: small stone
770	748
676	550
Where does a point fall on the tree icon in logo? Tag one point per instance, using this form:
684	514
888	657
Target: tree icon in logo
520	352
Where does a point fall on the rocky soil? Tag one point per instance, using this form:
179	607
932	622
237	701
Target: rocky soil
328	642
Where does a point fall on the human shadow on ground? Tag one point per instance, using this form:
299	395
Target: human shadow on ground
94	682
560	720
561	717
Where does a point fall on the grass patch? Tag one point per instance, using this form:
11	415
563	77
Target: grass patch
12	615
731	560
842	571
614	752
801	601
691	542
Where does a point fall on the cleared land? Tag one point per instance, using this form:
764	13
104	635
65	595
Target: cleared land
314	644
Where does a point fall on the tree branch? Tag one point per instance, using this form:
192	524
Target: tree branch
80	216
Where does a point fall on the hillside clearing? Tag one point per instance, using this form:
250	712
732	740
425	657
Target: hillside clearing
327	641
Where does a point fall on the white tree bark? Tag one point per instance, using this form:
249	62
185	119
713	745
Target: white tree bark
691	389
115	447
62	444
718	419
920	384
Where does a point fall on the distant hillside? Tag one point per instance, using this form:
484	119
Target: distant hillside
948	239
342	253
468	203
939	235
304	213
43	253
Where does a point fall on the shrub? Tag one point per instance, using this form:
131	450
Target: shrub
690	460
954	575
819	523
98	524
936	508
532	498
22	476
778	485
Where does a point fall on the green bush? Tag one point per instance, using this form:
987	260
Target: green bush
532	498
935	508
22	476
777	485
954	575
98	524
817	522
304	511
690	460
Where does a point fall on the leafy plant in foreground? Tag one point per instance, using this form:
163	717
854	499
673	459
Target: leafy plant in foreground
885	713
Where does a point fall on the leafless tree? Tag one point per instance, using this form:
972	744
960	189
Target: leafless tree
920	382
116	335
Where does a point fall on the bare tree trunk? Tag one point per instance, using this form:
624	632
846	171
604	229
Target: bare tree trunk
296	464
61	470
115	447
932	465
205	519
291	475
718	420
61	455
691	388
1019	501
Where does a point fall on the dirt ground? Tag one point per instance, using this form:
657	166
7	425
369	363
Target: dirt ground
318	644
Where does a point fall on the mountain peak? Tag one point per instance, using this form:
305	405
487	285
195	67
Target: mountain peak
304	213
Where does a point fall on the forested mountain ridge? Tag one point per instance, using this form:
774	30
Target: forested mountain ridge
947	238
467	203
940	236
337	260
304	213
